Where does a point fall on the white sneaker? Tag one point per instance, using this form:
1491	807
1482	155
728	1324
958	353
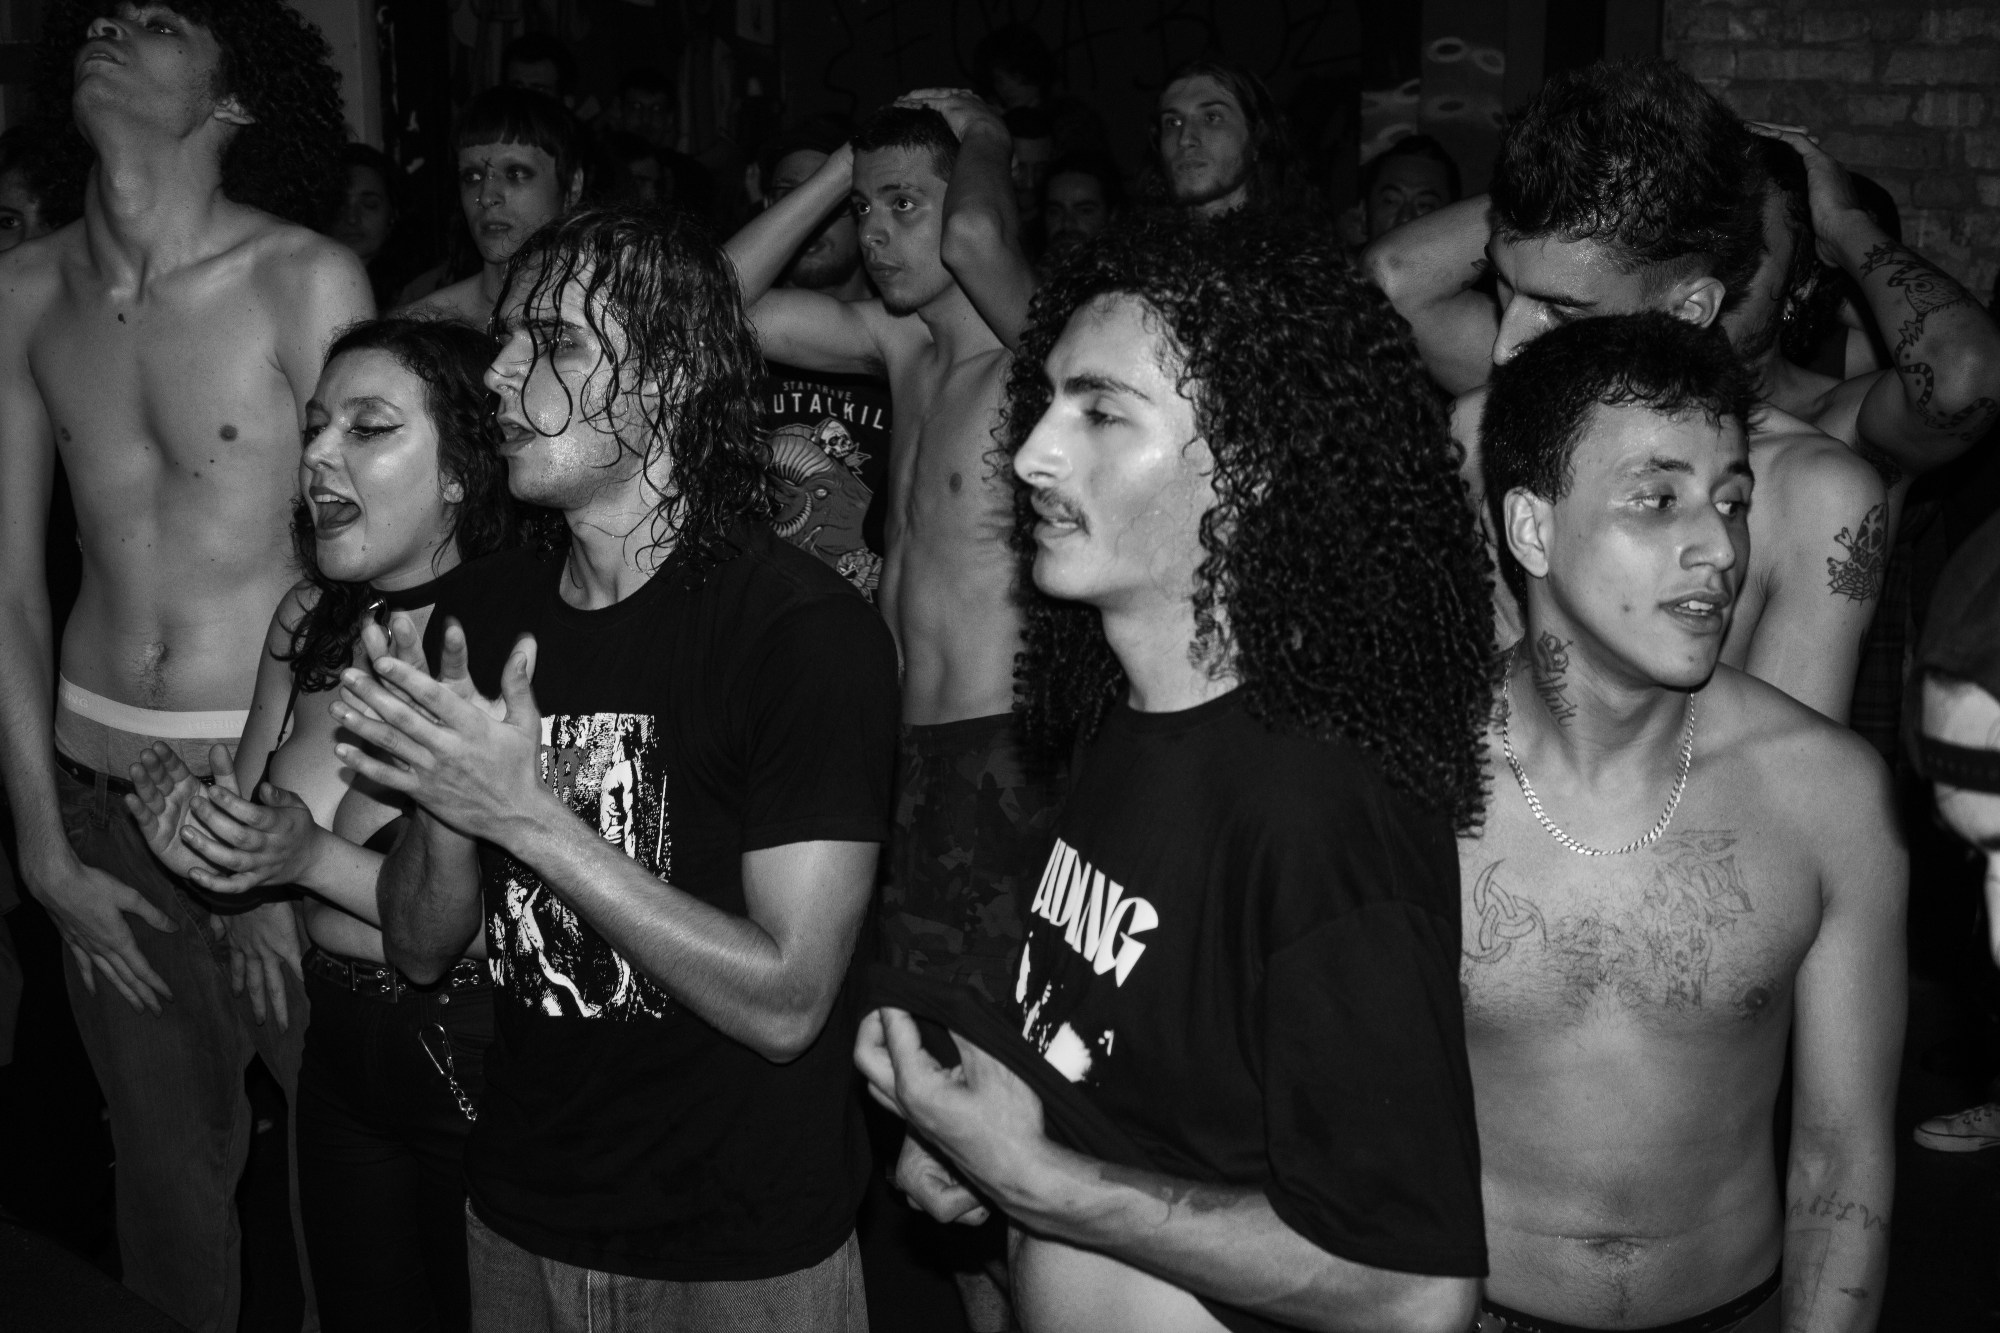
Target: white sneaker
1968	1131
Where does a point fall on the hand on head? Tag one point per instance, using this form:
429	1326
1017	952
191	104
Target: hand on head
1830	189
961	108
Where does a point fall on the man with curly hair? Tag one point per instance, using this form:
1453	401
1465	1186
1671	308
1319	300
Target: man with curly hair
1623	187
1272	645
669	830
164	347
1656	903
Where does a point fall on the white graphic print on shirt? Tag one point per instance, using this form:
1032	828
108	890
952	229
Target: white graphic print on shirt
1098	921
610	769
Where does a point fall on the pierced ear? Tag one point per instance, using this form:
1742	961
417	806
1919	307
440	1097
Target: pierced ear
232	111
1526	519
453	491
1699	301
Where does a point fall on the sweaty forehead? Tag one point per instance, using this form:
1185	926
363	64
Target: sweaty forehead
897	169
1630	440
1588	271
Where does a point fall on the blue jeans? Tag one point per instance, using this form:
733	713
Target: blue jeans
514	1291
180	1120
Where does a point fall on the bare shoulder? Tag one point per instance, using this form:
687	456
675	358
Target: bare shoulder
1807	474
292	609
31	276
1808	773
290	257
458	301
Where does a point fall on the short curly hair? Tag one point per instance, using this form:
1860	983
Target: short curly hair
276	63
1344	581
678	311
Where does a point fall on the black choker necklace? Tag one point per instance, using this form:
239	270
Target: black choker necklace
409	599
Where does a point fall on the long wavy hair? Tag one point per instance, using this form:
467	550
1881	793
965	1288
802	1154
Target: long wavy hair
277	64
1344	581
450	358
663	303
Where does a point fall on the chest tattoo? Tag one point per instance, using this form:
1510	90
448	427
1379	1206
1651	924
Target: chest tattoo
1652	943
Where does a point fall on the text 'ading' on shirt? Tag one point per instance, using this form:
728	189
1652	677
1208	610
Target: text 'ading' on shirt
1096	917
812	399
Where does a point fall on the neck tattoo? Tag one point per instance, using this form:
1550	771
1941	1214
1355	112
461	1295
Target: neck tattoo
1549	825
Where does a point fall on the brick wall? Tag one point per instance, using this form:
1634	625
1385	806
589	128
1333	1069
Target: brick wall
1901	90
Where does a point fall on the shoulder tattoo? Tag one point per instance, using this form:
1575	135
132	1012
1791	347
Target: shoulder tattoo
1859	575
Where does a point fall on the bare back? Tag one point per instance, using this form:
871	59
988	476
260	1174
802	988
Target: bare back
1627	1016
175	405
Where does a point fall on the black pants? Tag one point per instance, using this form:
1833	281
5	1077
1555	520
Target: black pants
380	1140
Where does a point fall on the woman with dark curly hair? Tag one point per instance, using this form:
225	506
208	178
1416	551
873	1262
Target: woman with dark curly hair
1262	611
402	487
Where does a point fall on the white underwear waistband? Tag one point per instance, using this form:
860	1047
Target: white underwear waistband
167	725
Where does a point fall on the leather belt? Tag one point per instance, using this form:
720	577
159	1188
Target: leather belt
90	777
386	983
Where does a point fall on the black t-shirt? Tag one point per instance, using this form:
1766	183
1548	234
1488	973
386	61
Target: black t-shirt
688	725
830	455
1245	948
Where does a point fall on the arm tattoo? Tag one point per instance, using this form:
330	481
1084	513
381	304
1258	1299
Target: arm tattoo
1860	575
1832	1206
1548	665
1927	290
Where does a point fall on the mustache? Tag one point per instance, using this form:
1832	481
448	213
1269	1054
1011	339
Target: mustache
1058	508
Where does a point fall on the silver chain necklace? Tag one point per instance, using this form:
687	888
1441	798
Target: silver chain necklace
1541	816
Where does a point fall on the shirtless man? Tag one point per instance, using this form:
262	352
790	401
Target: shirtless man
939	238
1657	900
164	347
1626	227
1943	393
929	182
520	164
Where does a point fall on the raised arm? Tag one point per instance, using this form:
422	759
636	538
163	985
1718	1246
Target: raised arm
1847	1039
803	328
1427	269
1224	1242
982	227
87	905
1832	538
1942	393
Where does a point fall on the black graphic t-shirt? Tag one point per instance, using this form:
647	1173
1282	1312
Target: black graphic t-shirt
830	455
1245	948
686	725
